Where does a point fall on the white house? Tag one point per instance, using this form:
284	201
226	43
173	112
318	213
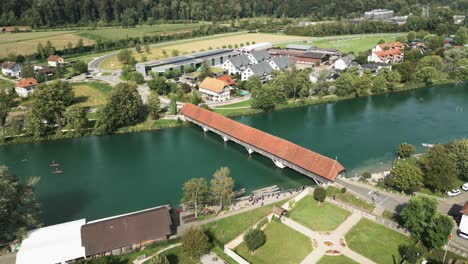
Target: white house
215	90
463	226
280	63
262	70
53	244
54	60
387	53
11	68
256	46
257	56
344	62
236	64
25	87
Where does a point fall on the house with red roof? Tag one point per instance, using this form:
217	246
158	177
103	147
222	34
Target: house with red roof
25	87
387	53
215	90
228	79
55	60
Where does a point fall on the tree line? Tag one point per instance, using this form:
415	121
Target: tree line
50	13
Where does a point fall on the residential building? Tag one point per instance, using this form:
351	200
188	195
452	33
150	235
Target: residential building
124	233
387	53
458	19
55	60
25	87
281	63
215	90
376	67
399	20
13	29
257	56
378	14
262	70
228	79
11	68
215	57
256	46
53	244
236	64
344	62
463	226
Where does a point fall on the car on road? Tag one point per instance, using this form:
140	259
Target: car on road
465	187
453	192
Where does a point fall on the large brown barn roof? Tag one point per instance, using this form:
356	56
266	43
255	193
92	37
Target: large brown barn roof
297	155
121	231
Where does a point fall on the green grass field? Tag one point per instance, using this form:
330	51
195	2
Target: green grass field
336	260
5	84
375	241
116	33
239	104
326	217
356	44
226	229
91	94
349	199
283	245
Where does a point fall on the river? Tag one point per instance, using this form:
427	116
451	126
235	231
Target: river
109	175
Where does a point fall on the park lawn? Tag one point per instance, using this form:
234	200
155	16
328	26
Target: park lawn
176	256
354	44
283	245
28	46
349	199
226	229
323	217
245	104
375	241
90	94
336	260
198	44
6	84
117	33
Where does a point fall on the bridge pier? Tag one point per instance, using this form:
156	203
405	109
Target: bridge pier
249	150
279	164
205	129
225	138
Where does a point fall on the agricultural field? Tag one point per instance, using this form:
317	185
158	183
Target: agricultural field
115	33
194	45
90	94
26	43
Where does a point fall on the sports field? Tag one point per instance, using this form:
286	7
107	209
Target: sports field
194	45
90	94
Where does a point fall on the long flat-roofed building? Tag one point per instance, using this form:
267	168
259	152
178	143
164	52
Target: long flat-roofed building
194	60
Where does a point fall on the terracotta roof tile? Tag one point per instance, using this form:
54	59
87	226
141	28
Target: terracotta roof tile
388	53
464	210
295	154
396	44
28	82
228	79
53	58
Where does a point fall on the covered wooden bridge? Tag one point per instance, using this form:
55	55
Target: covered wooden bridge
282	152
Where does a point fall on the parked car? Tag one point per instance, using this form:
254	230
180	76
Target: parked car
465	187
453	192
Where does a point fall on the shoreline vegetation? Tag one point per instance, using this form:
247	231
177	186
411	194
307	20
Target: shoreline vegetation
151	125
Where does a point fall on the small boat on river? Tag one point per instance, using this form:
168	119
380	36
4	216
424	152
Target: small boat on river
54	164
239	193
57	171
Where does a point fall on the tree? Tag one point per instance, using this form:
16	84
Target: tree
254	238
320	194
160	85
222	186
438	232
434	42
76	120
27	70
461	36
417	215
431	61
50	102
411	253
195	191
347	84
125	57
195	243
205	71
440	169
7	97
136	77
405	150
380	83
458	152
154	105
158	259
138	48
406	70
252	83
263	98
406	177
195	98
20	209
123	108
80	67
427	75
173	106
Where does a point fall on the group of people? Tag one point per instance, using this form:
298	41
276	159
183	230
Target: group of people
253	199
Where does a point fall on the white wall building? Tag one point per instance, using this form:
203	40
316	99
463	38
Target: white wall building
11	68
53	244
387	53
25	87
215	90
257	46
262	70
344	62
236	64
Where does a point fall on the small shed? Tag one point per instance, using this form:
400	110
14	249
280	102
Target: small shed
279	211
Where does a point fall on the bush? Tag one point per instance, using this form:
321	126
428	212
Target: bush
195	243
366	175
405	150
158	259
343	190
254	238
411	252
320	194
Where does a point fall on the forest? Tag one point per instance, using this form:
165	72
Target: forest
64	13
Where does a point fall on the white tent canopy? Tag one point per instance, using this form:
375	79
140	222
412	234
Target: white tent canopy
52	244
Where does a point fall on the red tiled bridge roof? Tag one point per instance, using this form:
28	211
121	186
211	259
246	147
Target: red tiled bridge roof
297	155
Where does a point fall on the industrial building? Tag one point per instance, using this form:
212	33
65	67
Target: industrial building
379	14
180	63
